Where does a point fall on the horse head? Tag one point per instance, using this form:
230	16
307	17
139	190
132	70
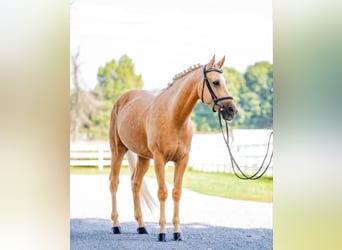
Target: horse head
213	91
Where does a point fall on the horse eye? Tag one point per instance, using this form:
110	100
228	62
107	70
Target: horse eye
216	83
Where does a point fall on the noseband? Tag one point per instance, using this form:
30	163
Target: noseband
212	94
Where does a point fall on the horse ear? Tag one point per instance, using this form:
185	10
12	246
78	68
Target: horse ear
211	63
221	62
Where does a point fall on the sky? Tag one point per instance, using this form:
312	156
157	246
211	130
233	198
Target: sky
164	38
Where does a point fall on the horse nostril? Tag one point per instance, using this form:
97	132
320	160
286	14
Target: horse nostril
231	109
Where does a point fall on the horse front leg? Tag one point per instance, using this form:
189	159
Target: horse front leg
159	164
180	167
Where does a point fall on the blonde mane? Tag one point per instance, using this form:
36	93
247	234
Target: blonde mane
183	73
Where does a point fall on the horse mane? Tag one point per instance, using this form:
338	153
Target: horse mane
183	73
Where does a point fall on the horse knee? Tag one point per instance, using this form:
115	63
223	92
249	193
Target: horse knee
176	194
162	194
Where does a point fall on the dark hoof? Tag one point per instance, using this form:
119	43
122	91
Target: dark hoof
162	237
177	237
142	230
116	230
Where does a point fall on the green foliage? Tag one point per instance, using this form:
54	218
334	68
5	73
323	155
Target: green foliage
203	119
258	100
115	78
236	85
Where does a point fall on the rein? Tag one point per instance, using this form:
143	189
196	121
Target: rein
236	169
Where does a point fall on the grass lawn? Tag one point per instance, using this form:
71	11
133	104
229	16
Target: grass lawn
218	184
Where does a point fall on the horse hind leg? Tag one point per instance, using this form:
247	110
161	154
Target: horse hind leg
141	167
116	159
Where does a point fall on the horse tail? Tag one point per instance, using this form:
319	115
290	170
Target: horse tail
145	194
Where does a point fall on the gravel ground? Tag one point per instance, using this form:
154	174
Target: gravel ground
207	222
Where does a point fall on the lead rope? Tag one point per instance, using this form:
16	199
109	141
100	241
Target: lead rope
235	167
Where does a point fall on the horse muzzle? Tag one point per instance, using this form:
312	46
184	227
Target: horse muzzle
228	111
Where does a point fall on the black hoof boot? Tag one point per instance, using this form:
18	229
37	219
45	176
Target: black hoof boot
162	237
116	230
142	230
177	236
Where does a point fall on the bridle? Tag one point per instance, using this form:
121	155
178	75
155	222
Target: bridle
211	92
235	167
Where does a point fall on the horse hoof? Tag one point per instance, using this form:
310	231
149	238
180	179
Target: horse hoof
177	237
116	230
162	237
142	230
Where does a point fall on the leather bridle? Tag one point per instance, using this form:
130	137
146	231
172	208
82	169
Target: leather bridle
211	92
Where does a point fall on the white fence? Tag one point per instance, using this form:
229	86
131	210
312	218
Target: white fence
94	155
90	155
208	152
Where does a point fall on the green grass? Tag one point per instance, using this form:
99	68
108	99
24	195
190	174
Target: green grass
218	184
229	186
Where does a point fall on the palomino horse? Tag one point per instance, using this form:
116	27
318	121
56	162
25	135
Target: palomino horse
159	128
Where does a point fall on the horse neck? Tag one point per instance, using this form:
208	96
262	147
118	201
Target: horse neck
183	98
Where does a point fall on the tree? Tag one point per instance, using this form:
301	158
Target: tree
83	103
114	79
258	99
236	85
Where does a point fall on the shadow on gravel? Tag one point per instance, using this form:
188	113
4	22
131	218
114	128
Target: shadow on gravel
96	234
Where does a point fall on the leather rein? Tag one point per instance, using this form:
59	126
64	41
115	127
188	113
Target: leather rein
235	167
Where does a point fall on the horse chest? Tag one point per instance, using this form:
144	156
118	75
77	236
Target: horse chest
174	147
175	152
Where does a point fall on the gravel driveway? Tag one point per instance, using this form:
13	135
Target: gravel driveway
207	222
